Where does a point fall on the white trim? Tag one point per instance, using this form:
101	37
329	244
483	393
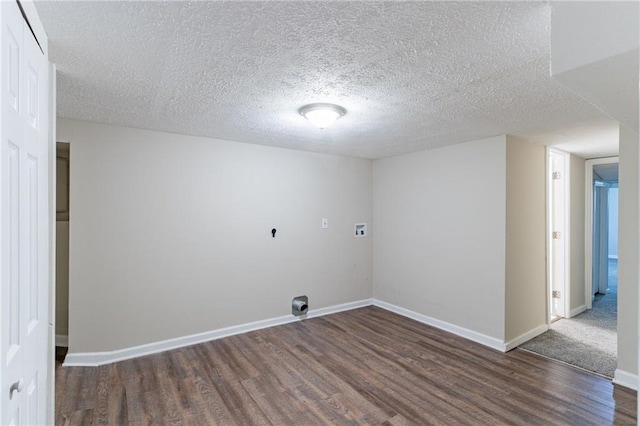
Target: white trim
62	340
483	339
547	225
514	343
623	378
339	308
94	359
577	311
51	382
567	233
588	225
566	180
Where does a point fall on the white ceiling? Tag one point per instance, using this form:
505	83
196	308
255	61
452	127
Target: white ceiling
412	75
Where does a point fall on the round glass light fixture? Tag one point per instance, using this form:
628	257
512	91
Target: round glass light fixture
322	115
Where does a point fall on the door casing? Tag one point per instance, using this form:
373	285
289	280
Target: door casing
560	216
588	226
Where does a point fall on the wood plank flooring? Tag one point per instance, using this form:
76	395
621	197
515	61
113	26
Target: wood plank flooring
365	366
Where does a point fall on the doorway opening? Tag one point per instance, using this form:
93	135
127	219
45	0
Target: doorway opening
601	257
586	335
63	157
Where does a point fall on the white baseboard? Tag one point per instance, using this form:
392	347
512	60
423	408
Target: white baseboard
339	308
94	359
628	380
577	311
483	339
62	340
514	343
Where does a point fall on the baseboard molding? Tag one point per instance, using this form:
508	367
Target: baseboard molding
628	380
514	343
483	339
339	308
62	340
95	359
577	311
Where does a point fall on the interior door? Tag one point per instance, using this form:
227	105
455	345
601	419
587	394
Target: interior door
23	222
557	229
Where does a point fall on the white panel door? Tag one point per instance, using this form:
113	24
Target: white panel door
23	223
558	213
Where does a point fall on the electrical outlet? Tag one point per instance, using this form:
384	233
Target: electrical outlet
325	223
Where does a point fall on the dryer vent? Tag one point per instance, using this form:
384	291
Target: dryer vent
299	305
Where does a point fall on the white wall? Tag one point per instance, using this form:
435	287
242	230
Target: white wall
594	52
526	251
628	249
577	226
587	32
171	235
439	247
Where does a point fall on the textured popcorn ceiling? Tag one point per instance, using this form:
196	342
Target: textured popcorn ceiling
412	75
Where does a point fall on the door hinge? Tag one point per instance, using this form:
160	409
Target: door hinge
555	294
556	175
555	235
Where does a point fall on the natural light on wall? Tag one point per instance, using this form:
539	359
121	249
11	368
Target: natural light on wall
322	115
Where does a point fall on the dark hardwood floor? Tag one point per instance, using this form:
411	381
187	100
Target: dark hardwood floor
365	366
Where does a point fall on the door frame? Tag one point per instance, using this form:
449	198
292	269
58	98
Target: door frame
588	225
51	384
567	236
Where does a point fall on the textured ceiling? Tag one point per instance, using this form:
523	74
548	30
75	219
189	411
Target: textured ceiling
412	75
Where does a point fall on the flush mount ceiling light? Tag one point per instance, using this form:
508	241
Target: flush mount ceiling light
322	115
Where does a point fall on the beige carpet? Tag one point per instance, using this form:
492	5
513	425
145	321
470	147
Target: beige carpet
588	340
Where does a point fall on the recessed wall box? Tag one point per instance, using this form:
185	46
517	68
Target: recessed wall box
360	230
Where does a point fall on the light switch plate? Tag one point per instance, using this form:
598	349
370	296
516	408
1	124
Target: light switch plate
325	223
